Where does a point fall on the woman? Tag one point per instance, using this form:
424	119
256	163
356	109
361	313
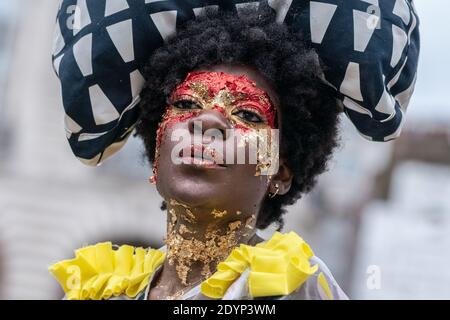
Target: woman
231	75
245	74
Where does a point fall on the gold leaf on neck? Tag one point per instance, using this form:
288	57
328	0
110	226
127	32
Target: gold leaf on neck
218	214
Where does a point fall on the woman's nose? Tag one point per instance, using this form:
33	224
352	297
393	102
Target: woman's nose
209	120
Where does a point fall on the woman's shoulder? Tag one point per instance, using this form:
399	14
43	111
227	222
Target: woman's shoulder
103	271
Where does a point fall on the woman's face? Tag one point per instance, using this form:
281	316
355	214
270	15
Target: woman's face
206	154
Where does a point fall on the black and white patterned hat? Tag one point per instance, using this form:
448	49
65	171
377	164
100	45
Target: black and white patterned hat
370	48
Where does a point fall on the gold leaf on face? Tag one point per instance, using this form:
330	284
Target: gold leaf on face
200	90
226	99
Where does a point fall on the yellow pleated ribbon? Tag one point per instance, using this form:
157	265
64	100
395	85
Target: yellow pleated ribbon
100	272
277	267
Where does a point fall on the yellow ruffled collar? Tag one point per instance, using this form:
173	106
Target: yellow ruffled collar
276	267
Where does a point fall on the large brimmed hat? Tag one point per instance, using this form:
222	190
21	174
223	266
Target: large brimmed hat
370	49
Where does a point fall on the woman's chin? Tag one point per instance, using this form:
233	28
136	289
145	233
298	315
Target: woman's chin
194	194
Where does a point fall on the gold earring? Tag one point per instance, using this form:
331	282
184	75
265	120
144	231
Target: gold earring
272	195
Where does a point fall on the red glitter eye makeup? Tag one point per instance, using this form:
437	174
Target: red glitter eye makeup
224	92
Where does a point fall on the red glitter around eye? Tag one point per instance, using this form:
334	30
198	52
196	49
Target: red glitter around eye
208	84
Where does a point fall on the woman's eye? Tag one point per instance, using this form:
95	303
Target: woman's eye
186	104
248	116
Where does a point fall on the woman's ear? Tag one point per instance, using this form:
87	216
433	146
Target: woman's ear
281	181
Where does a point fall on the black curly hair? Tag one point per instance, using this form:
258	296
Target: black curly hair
309	109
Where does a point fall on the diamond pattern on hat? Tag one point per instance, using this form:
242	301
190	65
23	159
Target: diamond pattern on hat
90	136
364	26
58	41
239	6
103	110
82	52
121	35
372	2
352	105
404	97
399	41
57	63
386	104
402	10
398	131
281	7
114	6
137	83
81	16
351	86
166	22
412	28
198	11
70	125
321	15
396	78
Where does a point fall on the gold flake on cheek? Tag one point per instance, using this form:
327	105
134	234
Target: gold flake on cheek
259	142
266	147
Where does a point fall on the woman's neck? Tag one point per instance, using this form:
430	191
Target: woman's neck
197	241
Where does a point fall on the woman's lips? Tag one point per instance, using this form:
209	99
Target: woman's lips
202	156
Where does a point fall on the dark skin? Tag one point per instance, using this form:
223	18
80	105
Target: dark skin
233	188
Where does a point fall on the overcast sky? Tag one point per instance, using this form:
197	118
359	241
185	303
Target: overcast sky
432	96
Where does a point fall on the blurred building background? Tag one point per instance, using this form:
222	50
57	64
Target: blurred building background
380	218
